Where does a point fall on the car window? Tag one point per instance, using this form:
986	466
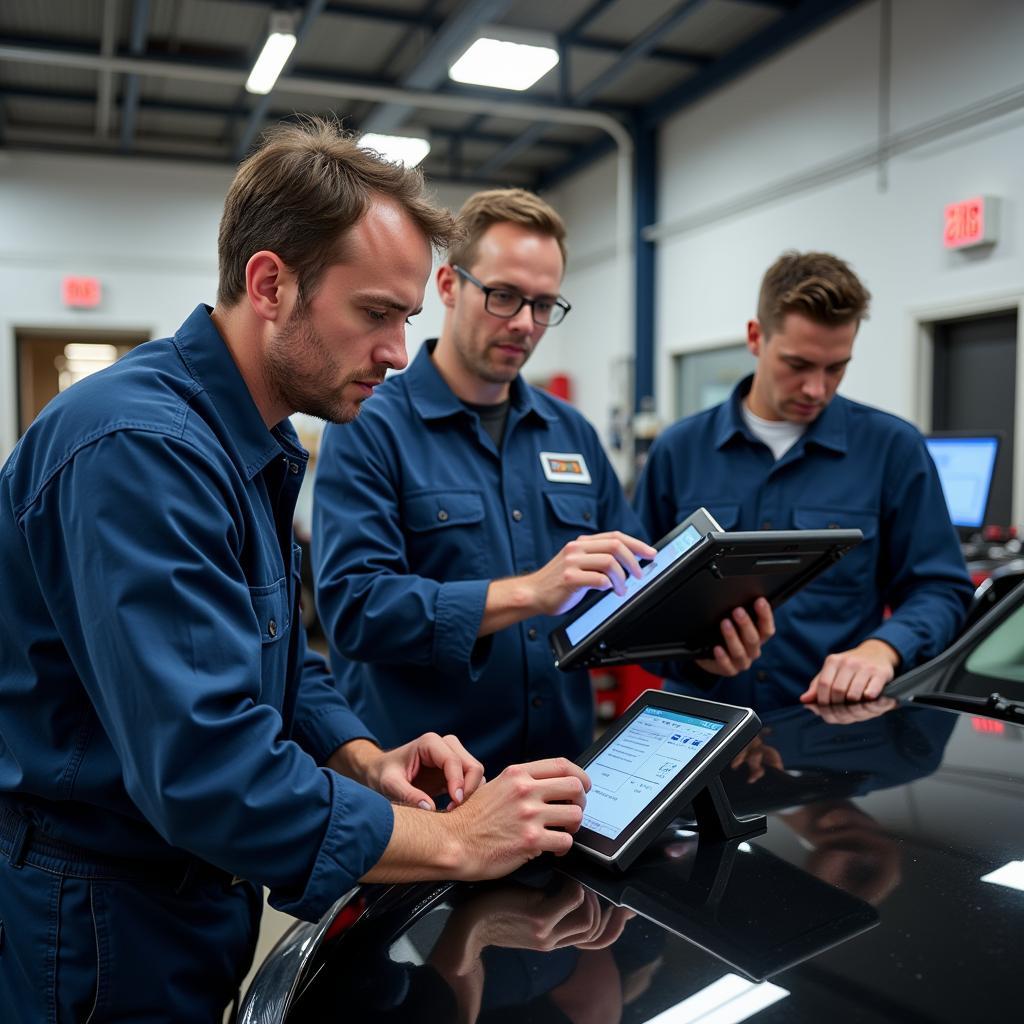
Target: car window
1000	656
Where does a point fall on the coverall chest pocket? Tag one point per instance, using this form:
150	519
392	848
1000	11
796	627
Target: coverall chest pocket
445	534
273	617
858	568
570	515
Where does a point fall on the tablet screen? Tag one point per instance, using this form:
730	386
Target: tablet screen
639	763
594	616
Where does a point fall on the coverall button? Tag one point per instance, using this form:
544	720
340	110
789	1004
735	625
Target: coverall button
442	516
587	517
272	627
532	633
766	525
537	702
516	514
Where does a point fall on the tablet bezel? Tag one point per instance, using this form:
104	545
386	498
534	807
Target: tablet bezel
602	647
739	726
705	525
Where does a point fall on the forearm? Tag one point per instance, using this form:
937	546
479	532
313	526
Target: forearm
424	846
355	759
508	601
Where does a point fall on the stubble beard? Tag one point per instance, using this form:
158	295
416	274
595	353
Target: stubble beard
300	369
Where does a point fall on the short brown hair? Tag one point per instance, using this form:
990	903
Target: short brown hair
817	285
298	194
498	206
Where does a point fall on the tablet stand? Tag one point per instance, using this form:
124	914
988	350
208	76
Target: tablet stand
717	821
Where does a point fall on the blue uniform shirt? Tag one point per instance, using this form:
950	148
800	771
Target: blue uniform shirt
415	512
156	693
854	467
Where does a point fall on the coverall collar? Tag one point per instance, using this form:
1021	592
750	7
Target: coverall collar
210	363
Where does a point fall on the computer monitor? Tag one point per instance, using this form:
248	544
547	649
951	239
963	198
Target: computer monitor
966	465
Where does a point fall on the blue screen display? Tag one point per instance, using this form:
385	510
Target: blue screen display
965	466
611	602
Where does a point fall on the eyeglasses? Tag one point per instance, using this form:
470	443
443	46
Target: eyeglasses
547	311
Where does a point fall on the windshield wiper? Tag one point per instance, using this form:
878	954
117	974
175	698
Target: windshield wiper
992	706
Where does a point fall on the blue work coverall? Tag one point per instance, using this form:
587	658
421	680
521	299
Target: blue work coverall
415	512
162	724
854	467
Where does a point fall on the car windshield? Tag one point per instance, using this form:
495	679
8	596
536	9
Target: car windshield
994	664
1000	656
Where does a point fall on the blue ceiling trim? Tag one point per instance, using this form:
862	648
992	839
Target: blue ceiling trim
136	47
810	15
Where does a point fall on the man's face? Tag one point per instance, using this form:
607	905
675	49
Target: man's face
798	368
328	356
508	257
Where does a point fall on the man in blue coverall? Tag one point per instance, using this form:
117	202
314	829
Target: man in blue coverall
786	452
166	738
459	514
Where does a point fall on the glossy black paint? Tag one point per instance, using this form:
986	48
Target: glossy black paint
863	901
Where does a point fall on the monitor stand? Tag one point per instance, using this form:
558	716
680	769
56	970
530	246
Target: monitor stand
716	820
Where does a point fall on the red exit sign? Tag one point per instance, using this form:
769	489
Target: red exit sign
81	292
970	222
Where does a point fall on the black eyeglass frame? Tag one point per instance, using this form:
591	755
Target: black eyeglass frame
558	301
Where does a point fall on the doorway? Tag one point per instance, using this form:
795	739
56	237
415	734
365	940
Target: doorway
974	374
51	359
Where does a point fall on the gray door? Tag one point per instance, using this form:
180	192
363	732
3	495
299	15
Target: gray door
974	389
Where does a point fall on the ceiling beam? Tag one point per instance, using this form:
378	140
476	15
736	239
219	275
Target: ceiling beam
262	105
132	87
432	67
693	57
105	84
809	16
639	48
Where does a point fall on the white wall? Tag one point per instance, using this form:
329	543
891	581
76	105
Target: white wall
147	229
816	105
812	107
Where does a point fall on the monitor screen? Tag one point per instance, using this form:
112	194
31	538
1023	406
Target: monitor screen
966	466
630	773
665	557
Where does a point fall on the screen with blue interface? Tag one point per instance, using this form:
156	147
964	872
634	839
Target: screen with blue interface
639	763
965	466
671	552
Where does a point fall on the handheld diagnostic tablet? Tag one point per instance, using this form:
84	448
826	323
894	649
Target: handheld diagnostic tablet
699	576
665	751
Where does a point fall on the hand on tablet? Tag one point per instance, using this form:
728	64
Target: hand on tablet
599	561
742	638
854	675
527	810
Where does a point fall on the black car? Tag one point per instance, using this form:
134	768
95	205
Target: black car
889	886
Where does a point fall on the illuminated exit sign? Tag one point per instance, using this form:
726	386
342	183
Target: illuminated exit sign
971	222
81	292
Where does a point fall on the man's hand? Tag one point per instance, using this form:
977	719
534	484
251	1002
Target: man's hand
411	773
854	675
599	561
527	810
742	638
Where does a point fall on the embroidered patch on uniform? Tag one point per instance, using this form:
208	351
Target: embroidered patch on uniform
565	467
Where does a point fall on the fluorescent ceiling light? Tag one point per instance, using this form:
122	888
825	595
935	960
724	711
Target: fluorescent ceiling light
272	59
726	1001
399	149
503	64
1011	875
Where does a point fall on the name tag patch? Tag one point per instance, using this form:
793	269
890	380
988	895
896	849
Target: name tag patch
565	467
